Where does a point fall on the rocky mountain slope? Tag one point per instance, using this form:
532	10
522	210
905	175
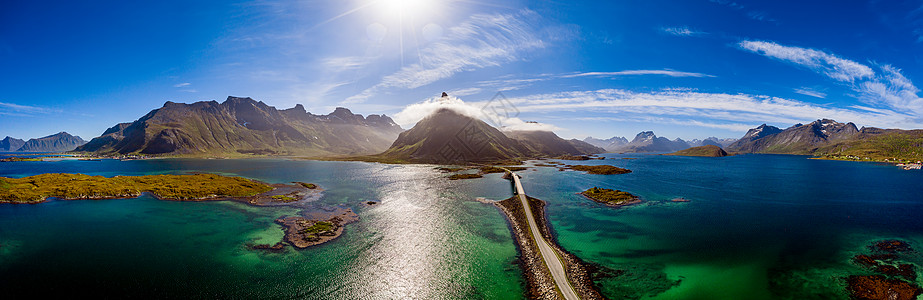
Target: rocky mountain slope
548	143
608	144
712	141
448	137
10	144
798	139
246	126
58	142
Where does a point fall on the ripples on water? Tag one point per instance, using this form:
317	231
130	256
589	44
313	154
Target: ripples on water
757	226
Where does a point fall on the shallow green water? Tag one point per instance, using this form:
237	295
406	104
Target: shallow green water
757	227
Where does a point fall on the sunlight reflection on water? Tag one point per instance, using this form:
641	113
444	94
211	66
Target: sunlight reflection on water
410	227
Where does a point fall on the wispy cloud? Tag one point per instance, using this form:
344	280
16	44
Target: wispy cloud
510	83
670	73
480	42
887	87
682	31
184	84
833	66
465	92
715	110
18	110
759	16
344	63
810	92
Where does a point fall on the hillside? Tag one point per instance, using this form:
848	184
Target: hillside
448	137
802	139
58	142
548	143
878	144
10	144
704	151
832	139
244	126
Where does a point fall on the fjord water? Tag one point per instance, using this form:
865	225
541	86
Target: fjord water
756	227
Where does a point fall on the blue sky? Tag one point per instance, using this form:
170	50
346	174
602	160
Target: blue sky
688	69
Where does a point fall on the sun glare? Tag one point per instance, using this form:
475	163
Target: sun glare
407	8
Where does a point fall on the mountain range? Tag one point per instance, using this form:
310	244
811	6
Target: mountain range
245	126
58	142
448	137
828	137
647	141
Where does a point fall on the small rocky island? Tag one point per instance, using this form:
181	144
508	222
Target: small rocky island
597	169
702	151
302	232
614	198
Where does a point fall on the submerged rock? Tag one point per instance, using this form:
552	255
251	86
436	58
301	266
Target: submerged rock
880	287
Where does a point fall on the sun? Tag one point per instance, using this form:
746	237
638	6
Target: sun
407	8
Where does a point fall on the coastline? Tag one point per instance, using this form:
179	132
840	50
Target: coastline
539	282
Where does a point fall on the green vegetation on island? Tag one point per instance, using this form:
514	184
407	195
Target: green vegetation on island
465	176
307	185
611	197
285	198
318	228
34	189
894	146
703	151
599	169
13	159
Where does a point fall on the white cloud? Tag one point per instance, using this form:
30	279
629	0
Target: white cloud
417	111
741	127
12	108
413	113
819	61
889	87
682	31
715	110
670	73
480	42
339	64
184	84
809	92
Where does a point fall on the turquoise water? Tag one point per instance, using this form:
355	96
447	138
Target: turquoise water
757	227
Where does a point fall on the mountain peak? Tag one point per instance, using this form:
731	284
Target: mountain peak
644	135
61	141
761	131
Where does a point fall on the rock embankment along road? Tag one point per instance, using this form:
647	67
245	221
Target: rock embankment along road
548	255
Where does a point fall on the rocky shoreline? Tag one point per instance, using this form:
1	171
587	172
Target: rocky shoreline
539	283
301	232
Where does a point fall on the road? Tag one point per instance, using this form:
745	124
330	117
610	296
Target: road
552	260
